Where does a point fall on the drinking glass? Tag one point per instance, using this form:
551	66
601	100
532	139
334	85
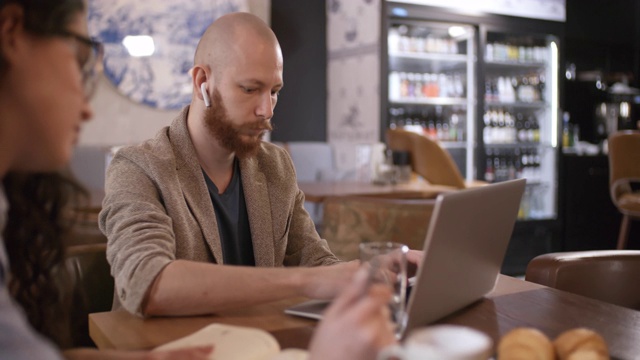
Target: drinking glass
387	262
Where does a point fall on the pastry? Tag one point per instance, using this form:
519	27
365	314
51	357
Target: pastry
581	344
525	344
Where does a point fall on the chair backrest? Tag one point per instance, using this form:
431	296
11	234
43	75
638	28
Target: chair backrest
399	140
608	275
92	286
428	158
624	161
350	220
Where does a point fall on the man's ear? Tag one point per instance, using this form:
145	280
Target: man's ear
11	29
201	75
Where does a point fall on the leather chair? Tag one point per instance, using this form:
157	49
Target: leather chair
92	287
608	275
351	220
85	229
624	171
428	158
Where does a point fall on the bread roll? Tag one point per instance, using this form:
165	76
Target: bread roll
525	344
581	344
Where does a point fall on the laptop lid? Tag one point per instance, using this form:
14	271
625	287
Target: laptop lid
464	249
463	252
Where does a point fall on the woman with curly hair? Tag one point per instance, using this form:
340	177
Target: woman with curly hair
48	71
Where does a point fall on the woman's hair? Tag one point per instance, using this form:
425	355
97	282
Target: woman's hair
39	215
45	17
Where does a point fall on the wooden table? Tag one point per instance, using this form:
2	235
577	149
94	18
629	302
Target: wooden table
318	191
121	330
513	303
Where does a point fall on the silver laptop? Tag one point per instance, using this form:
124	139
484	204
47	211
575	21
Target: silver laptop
463	252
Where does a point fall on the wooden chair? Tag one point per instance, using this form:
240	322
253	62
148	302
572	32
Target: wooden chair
624	170
92	286
399	140
608	275
428	158
351	220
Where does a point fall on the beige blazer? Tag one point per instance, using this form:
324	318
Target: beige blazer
157	209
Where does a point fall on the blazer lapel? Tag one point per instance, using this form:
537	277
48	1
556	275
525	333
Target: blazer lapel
256	197
193	184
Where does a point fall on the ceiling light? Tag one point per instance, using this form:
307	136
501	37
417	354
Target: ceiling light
139	45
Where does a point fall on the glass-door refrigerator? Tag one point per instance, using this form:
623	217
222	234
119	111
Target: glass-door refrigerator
520	117
431	84
498	116
518	129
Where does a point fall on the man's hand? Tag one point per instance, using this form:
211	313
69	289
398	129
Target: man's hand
326	282
414	259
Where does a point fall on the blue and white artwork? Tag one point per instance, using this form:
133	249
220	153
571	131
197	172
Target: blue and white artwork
149	45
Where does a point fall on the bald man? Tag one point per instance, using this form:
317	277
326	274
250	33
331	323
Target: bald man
206	216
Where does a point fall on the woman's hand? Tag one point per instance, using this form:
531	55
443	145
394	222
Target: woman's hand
357	325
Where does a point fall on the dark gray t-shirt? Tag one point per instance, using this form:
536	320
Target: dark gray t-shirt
18	340
233	221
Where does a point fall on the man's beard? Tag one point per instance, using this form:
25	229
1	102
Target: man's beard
222	129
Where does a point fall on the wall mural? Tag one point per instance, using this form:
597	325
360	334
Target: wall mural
149	45
353	71
354	99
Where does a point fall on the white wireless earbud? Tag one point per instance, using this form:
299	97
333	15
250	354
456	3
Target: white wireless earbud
205	95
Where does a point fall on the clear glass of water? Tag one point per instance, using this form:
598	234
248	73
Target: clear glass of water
387	262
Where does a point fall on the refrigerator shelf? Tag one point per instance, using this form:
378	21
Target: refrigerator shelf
532	183
515	64
453	144
518	104
429	101
512	145
518	145
408	64
460	58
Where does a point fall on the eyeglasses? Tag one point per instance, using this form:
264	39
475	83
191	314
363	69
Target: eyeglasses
90	61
